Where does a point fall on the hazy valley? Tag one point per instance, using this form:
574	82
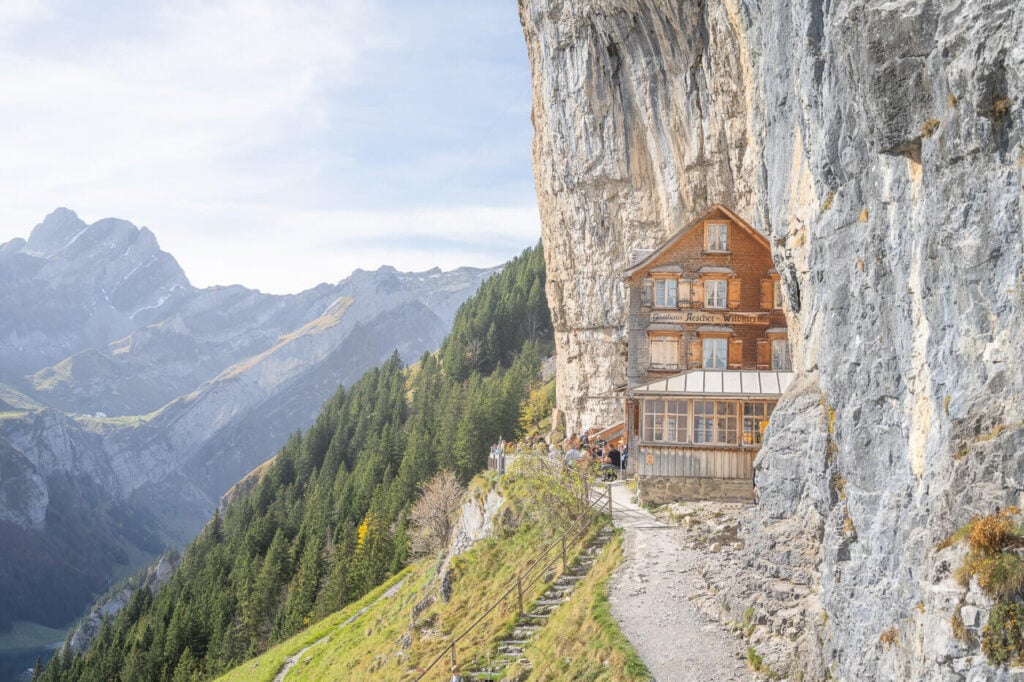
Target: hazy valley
132	400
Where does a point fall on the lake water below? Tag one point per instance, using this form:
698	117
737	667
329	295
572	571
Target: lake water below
14	664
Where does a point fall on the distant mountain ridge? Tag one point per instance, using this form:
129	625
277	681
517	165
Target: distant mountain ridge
149	397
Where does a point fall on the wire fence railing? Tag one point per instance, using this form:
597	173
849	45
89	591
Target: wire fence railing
535	570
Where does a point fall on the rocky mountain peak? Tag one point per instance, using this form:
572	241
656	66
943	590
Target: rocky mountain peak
55	232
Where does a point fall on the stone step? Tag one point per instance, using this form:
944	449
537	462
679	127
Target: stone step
569	579
536	616
516	650
549	602
519	632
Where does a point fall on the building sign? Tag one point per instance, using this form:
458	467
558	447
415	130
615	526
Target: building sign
703	317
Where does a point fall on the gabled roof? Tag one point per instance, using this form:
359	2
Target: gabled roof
650	257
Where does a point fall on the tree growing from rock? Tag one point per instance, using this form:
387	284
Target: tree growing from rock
433	515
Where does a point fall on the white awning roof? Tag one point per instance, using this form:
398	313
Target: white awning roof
719	382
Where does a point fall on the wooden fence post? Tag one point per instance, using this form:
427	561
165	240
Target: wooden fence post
519	590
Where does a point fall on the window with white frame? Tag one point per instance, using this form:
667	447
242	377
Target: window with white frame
664	352
717	236
716	293
777	303
716	353
715	422
781	359
666	421
665	293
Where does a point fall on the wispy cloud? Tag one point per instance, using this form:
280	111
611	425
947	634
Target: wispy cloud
223	124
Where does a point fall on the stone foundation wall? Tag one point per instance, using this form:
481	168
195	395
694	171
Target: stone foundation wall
665	489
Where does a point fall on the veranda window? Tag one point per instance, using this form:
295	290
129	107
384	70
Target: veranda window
755	417
715	422
666	421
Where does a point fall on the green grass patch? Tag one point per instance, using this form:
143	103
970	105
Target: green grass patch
388	643
26	635
264	668
1003	638
582	641
16	400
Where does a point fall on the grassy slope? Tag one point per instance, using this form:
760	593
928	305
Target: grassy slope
582	640
25	635
265	667
371	647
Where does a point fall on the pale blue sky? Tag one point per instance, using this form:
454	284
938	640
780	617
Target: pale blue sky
275	144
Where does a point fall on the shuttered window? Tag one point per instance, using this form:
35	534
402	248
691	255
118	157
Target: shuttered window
735	353
685	293
696	354
766	294
734	293
764	354
665	352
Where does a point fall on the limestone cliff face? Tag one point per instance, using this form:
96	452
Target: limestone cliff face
879	146
641	114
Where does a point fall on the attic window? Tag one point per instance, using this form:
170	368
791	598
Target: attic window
716	237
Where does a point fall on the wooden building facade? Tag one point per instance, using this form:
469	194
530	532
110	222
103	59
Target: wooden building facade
708	358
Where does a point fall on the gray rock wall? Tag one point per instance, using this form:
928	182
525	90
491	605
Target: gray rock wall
879	146
638	127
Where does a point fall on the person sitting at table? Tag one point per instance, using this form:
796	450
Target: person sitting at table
611	463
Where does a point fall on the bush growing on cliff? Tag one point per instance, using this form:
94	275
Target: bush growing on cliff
993	560
1003	638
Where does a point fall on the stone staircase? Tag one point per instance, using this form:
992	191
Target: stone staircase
511	649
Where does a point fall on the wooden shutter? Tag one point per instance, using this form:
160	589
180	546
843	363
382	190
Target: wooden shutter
647	293
735	353
767	294
764	354
697	290
696	353
685	293
734	292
